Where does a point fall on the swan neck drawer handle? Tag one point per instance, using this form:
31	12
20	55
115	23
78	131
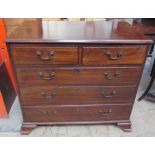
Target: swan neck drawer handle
117	57
116	74
52	95
51	76
113	93
45	56
104	113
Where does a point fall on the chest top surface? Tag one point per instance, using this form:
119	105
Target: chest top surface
40	31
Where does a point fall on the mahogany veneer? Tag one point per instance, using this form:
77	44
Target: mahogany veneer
82	75
51	95
77	72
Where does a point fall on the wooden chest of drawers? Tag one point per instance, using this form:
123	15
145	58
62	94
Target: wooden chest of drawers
76	81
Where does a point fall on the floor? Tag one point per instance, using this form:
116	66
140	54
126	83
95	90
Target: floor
142	118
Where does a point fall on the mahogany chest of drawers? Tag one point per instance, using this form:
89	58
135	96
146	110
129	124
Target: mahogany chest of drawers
76	73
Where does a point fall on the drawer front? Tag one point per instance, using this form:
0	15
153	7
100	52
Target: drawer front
59	95
76	113
75	76
45	55
113	55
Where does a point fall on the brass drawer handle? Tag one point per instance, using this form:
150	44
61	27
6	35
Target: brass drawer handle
117	57
113	93
51	75
43	94
103	113
77	71
46	113
45	56
111	78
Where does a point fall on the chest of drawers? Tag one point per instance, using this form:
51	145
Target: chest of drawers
76	81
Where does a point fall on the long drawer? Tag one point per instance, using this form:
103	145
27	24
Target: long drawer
64	95
113	55
45	55
79	75
76	113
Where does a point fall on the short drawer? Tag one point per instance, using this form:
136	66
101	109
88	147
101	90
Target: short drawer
113	55
76	113
79	75
44	55
61	95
